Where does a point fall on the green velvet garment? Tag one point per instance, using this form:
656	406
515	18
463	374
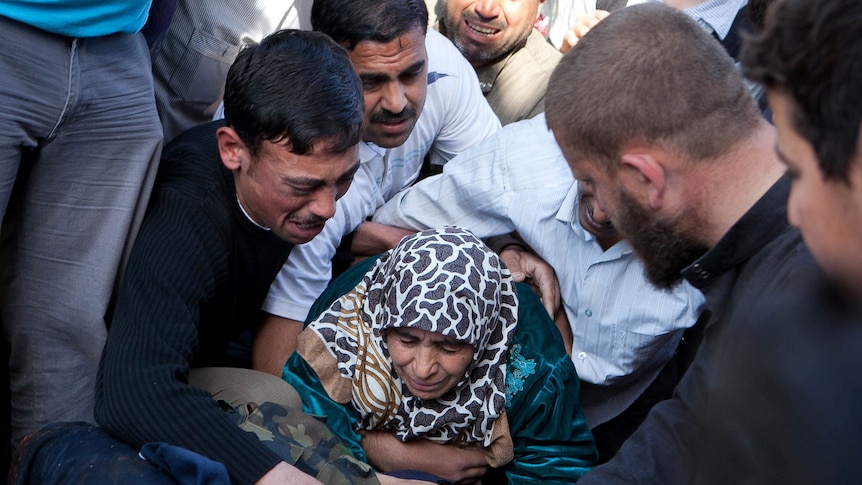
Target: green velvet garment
552	442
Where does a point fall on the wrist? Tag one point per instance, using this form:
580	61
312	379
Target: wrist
499	243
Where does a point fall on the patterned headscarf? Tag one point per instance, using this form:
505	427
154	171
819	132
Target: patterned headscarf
445	281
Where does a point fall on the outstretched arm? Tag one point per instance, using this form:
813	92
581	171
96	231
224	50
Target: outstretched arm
273	343
373	238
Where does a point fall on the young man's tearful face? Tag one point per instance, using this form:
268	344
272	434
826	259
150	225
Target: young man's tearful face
293	195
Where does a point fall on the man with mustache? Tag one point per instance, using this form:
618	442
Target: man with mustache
422	102
620	331
511	58
685	167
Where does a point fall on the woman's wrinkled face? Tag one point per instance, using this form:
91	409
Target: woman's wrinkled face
430	364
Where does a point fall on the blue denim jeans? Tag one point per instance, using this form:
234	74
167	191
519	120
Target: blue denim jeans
80	141
84	454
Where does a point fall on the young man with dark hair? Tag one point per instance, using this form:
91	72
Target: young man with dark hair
231	200
817	105
684	166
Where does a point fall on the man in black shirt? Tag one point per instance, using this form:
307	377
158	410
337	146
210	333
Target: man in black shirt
683	164
230	201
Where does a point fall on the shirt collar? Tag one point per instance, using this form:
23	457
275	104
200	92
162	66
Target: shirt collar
766	219
368	150
248	216
568	213
488	74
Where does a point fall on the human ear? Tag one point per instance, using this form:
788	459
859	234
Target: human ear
649	172
230	147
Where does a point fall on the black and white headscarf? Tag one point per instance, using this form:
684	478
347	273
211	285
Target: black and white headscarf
445	281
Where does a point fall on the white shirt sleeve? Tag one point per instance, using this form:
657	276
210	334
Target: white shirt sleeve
466	194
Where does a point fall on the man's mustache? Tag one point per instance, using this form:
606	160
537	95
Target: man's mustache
384	116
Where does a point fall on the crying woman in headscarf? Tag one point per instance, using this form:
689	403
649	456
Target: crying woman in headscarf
428	358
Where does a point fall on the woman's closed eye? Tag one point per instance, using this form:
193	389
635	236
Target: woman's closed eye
451	348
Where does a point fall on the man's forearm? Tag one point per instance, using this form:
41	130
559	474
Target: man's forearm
450	461
274	343
373	238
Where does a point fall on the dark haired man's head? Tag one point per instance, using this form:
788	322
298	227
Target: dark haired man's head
486	31
809	57
293	115
386	41
297	87
350	22
642	101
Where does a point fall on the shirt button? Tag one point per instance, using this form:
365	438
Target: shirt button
582	355
588	313
700	272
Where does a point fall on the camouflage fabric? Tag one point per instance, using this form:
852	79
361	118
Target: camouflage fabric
304	441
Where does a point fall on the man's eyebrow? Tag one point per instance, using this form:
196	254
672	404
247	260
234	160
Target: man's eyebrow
301	181
349	173
378	77
315	182
415	67
373	77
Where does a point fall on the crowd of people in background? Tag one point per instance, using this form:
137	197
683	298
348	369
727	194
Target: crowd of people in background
431	241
